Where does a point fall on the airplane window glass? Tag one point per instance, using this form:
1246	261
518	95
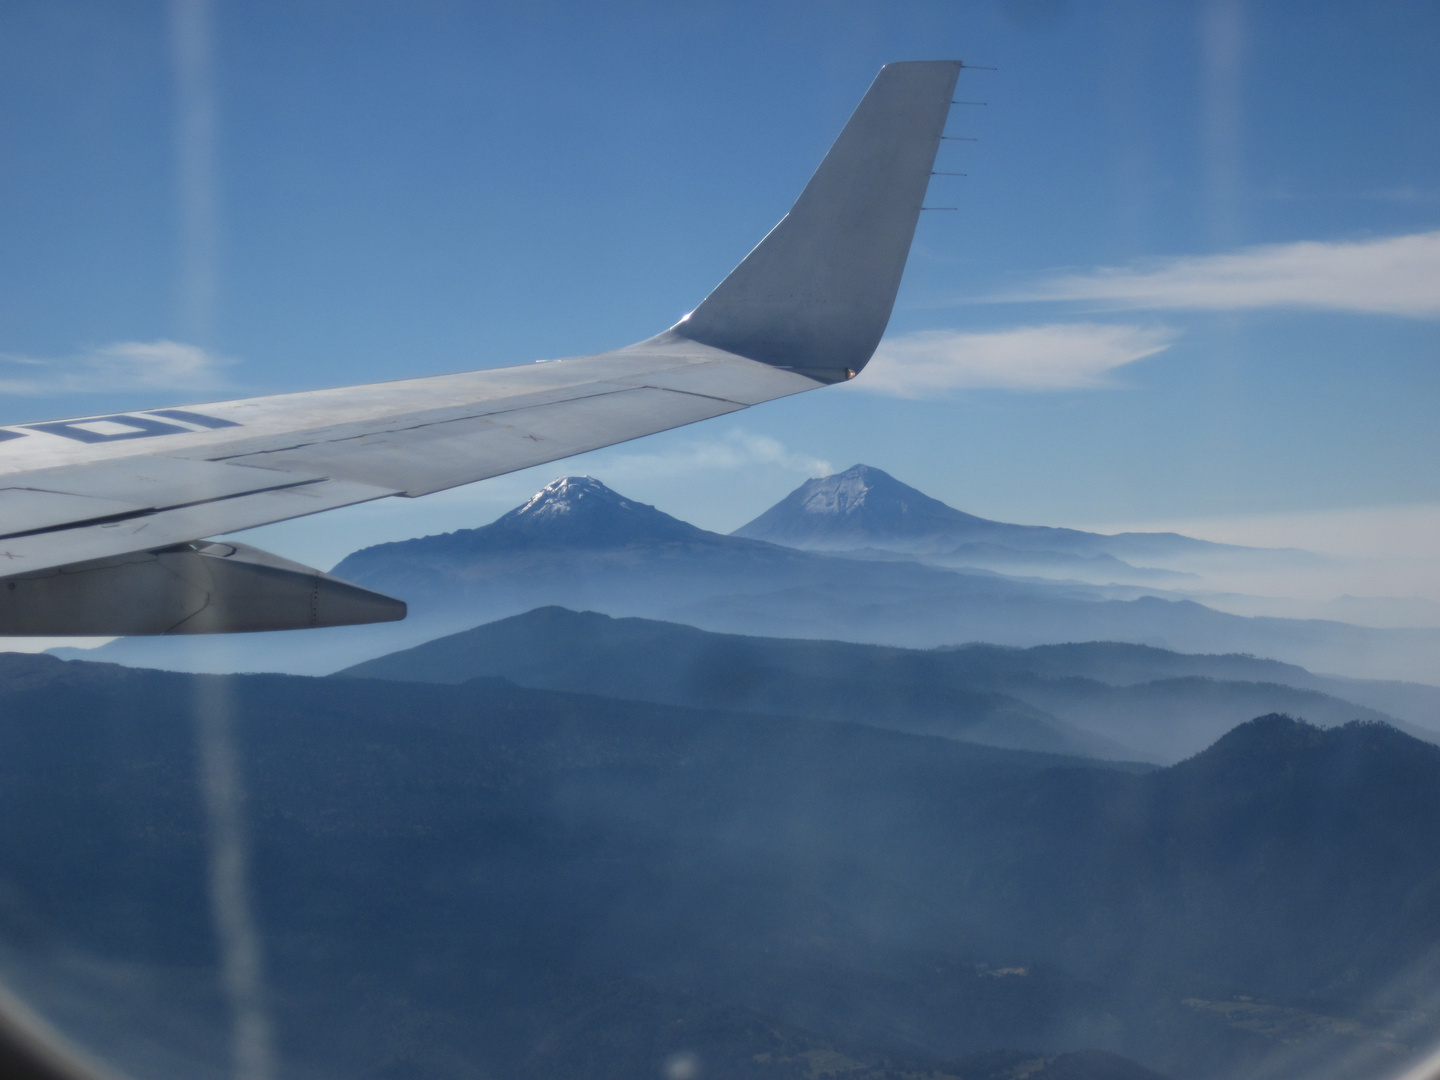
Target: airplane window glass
984	626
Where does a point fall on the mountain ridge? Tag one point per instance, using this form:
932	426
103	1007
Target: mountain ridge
1147	705
554	648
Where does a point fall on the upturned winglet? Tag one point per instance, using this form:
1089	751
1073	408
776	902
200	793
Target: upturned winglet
816	294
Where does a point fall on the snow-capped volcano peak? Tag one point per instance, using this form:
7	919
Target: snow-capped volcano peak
866	507
855	508
842	494
581	511
567	494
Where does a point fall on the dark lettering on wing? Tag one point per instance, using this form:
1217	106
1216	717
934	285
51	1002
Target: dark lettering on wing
189	417
130	427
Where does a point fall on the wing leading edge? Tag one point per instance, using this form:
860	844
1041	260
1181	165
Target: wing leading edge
84	501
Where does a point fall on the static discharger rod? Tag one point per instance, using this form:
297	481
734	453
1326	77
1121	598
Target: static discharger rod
977	67
969	103
939	208
949	174
960	138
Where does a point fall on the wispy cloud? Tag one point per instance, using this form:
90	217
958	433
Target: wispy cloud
736	449
1376	552
1403	193
1398	275
125	365
1061	356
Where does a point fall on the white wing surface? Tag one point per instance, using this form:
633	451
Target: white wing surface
807	307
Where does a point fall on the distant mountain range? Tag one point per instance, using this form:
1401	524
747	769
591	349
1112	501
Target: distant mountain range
580	545
484	879
1097	700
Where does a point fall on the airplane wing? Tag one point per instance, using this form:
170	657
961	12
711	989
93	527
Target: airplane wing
103	518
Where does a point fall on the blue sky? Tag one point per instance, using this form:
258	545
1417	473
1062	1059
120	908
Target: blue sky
1194	272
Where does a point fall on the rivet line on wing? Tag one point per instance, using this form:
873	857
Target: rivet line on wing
693	393
430	424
